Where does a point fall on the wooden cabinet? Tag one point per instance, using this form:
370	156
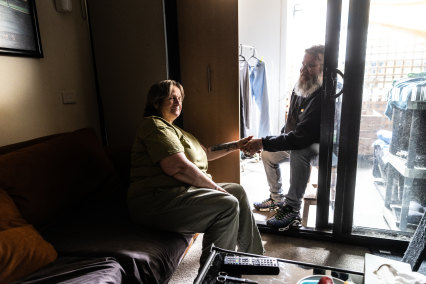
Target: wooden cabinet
208	47
130	55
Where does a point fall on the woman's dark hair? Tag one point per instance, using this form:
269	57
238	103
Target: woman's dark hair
157	94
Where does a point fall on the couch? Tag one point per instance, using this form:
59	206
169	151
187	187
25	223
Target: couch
63	217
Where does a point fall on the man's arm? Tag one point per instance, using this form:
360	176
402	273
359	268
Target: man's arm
306	132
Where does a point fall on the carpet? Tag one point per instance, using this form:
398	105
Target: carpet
188	269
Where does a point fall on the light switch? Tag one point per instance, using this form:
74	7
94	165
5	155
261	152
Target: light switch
68	97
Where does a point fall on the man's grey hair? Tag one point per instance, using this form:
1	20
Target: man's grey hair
316	50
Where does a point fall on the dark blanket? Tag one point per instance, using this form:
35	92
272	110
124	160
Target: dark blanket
101	228
77	270
146	255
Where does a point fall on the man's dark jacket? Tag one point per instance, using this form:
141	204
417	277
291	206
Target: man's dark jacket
302	127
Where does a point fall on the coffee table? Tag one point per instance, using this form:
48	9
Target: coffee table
290	271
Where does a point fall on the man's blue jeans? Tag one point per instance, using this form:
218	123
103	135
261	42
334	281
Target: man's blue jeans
300	171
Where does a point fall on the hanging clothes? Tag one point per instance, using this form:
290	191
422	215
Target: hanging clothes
245	101
259	93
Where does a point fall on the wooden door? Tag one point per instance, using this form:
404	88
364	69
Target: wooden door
208	44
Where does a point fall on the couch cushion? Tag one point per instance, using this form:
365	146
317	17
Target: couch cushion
22	249
10	217
147	255
77	270
50	177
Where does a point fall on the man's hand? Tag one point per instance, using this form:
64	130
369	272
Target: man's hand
243	142
253	146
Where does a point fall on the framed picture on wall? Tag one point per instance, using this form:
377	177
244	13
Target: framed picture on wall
19	33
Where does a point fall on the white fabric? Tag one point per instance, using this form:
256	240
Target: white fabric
387	274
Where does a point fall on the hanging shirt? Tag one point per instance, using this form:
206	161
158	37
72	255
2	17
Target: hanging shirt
245	102
259	91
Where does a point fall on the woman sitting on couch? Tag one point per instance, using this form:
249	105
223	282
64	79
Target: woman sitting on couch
170	187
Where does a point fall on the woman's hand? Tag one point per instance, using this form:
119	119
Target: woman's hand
221	189
243	142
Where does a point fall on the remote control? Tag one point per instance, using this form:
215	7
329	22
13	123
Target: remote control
251	265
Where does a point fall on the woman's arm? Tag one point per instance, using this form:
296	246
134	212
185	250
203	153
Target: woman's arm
179	167
220	150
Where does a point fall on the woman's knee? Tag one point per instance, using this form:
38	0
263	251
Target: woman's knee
231	204
235	189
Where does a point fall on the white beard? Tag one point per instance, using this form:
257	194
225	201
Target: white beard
306	89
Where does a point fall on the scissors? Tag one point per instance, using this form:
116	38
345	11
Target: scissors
223	277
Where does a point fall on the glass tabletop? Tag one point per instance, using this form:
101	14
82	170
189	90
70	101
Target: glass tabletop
291	272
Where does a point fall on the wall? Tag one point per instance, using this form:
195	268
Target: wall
30	89
281	30
261	25
130	53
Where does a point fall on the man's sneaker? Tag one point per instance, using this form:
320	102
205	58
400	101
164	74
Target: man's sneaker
285	218
266	205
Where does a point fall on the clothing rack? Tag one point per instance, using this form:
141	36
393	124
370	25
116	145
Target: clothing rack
249	47
246	46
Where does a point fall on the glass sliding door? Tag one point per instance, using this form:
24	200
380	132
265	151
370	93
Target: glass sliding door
372	162
357	26
391	168
330	120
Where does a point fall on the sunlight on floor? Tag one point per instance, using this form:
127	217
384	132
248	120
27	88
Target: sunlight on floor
369	201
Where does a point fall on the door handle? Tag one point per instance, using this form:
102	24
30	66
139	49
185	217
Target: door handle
330	92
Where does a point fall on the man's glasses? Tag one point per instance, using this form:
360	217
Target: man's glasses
308	66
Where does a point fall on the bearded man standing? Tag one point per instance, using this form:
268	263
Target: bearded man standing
299	141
